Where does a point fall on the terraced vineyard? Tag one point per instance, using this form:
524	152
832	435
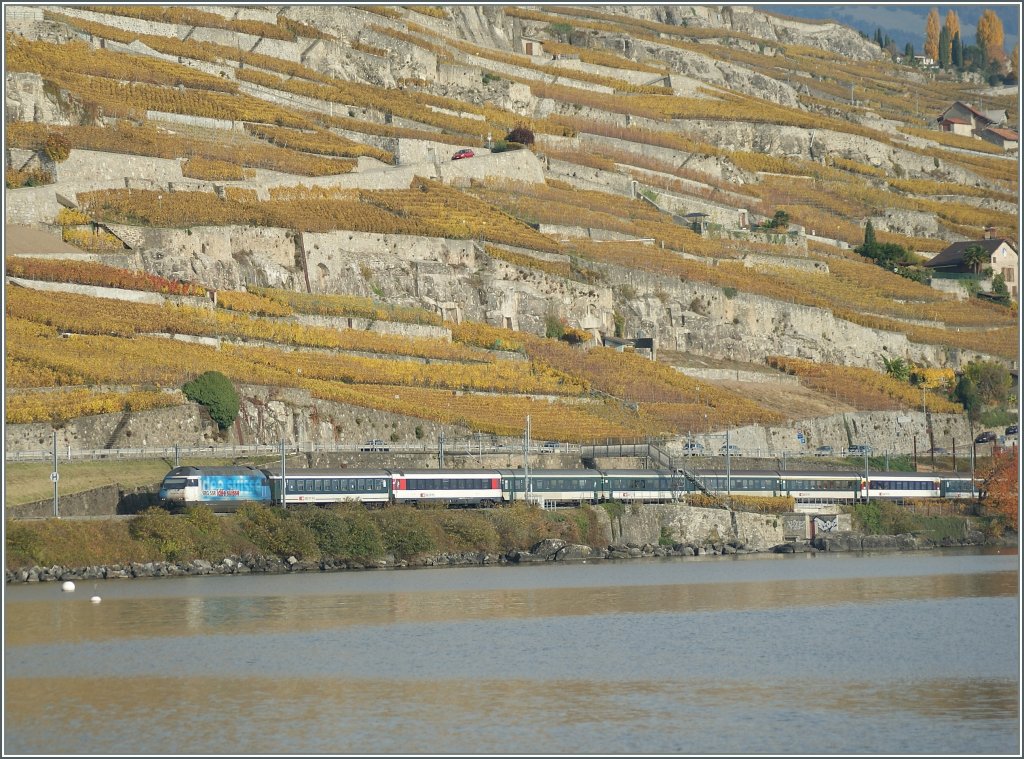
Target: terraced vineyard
281	175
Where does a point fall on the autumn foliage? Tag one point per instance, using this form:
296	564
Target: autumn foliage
1002	487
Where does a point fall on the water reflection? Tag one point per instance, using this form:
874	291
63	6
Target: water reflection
75	620
341	715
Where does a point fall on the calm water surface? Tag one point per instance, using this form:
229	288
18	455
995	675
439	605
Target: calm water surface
842	653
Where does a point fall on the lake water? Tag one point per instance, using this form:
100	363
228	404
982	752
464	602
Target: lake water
908	653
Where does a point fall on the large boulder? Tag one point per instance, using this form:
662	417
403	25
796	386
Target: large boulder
547	548
574	552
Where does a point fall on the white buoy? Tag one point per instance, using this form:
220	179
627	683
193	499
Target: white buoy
95	599
68	586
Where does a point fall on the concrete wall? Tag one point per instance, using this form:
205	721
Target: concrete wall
102	501
885	431
686	524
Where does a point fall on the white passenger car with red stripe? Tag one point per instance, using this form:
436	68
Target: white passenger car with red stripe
462	487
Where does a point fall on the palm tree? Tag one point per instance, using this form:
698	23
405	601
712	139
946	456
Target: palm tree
897	368
974	256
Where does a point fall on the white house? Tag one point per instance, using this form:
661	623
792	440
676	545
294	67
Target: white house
1001	258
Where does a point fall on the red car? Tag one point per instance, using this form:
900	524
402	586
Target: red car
464	153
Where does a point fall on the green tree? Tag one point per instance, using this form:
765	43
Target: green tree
966	394
957	51
999	289
974	256
991	379
869	235
215	392
944	48
908	53
897	368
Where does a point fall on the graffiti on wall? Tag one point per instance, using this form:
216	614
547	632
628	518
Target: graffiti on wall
826	524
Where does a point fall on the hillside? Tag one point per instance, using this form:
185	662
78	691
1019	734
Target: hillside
270	192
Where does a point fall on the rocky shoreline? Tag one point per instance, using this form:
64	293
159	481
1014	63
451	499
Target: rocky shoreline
545	550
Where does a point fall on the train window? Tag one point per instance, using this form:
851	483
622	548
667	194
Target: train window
300	486
289	486
317	484
309	486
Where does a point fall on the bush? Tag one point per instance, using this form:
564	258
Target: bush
553	327
469	531
206	536
882	518
520	134
405	531
57	147
520	525
270	529
23	545
162	530
215	392
346	533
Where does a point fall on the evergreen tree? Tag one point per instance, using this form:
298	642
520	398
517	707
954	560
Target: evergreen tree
944	48
908	52
953	27
966	394
869	236
878	37
957	51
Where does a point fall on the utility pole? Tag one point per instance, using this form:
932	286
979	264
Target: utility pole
54	476
526	459
728	465
284	482
867	480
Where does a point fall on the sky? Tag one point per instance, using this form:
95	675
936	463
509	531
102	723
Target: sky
905	22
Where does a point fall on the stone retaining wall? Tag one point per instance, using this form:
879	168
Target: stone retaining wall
107	500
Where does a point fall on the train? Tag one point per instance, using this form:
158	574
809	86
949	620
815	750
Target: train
223	488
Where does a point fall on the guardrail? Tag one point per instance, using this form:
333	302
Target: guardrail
451	447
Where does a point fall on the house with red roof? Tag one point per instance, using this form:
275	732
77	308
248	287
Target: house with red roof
1007	139
966	120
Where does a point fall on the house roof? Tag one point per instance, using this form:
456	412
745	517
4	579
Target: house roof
954	254
1006	134
967	107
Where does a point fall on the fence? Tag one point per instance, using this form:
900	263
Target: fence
176	452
